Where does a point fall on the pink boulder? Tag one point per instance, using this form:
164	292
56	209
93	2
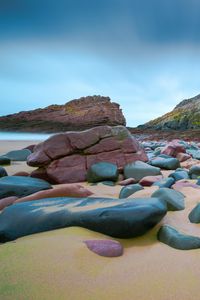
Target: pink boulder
66	157
127	181
183	156
107	248
149	180
173	148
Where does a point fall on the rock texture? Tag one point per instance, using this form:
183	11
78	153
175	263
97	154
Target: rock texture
78	114
186	115
66	157
125	218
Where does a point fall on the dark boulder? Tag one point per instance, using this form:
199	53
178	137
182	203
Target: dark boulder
102	171
173	199
3	173
175	239
4	160
127	191
21	186
194	215
120	218
139	169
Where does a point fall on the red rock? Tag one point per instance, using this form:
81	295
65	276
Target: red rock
149	180
66	157
107	248
127	181
30	147
173	148
4	202
21	173
67	190
183	156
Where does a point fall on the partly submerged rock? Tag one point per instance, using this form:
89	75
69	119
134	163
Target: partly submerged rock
102	171
175	239
173	199
127	191
4	160
121	218
139	169
21	186
107	248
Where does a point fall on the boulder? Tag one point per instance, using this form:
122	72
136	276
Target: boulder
173	199
127	191
165	182
21	186
173	148
165	163
183	156
194	172
120	218
107	248
139	169
179	175
194	215
18	155
67	157
175	239
3	172
150	180
102	171
127	181
4	160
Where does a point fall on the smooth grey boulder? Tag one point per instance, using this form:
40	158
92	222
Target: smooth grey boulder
120	218
175	239
102	171
4	160
180	174
130	189
194	172
165	163
194	215
18	155
139	169
21	186
165	183
173	199
3	173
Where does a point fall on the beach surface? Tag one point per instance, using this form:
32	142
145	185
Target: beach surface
58	265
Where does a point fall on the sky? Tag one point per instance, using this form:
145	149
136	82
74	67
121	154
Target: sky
143	54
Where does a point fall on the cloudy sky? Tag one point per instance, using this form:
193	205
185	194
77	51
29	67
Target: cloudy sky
144	54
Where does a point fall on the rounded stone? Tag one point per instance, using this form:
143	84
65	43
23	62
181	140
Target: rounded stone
107	248
18	155
3	173
173	199
127	191
4	160
139	169
102	171
166	163
194	215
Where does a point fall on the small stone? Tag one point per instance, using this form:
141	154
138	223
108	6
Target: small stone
107	248
165	183
165	163
173	199
194	172
175	239
149	180
194	215
139	169
127	191
179	175
3	172
18	155
102	171
127	181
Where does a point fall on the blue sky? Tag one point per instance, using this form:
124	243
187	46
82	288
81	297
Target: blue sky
145	55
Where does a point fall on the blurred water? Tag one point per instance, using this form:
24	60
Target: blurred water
23	136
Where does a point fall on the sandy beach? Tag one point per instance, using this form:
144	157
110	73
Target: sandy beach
58	265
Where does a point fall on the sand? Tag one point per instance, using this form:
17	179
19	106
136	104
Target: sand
58	265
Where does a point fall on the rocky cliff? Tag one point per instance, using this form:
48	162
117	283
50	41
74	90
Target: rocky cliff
78	114
186	115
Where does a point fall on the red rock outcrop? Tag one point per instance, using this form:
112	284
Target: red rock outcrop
66	157
78	114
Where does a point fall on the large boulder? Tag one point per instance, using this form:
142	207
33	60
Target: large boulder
139	170
66	157
165	163
173	199
21	186
120	218
173	148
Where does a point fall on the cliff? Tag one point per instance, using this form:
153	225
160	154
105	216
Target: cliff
78	114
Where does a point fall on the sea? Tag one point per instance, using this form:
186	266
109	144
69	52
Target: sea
23	136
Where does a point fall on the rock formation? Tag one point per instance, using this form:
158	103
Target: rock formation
186	115
78	114
66	157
